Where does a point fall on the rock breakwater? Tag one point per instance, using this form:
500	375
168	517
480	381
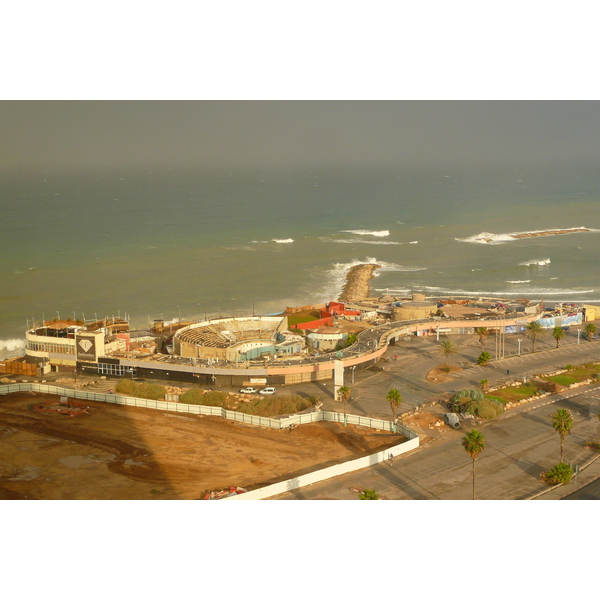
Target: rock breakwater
357	282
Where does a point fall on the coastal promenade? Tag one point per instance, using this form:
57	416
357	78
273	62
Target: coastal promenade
371	345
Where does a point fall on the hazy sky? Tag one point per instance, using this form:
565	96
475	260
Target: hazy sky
261	134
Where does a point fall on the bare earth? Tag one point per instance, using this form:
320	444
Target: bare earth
119	452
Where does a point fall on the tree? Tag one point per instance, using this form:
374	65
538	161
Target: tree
351	339
344	395
590	329
483	332
534	330
558	334
394	397
448	348
484	358
369	495
483	384
474	445
562	421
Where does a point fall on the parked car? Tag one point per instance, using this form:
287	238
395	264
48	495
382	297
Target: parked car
248	390
268	391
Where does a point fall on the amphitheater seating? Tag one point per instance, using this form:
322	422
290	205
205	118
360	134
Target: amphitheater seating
223	335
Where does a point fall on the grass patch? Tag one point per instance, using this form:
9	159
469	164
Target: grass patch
513	394
151	391
303	317
575	375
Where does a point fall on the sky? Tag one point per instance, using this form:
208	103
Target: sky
72	135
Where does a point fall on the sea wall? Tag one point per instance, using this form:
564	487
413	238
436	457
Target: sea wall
357	284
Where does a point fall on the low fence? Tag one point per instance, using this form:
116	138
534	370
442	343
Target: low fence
281	423
217	411
316	476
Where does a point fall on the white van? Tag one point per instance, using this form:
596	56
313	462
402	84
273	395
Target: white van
268	391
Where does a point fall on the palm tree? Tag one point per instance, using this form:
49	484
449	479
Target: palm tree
474	445
562	421
351	339
483	332
558	334
369	495
483	384
448	348
344	395
590	329
394	397
534	331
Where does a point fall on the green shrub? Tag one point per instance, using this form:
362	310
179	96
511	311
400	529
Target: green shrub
369	495
151	391
486	408
277	405
560	473
196	396
484	358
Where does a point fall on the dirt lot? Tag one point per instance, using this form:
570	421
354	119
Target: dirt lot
118	452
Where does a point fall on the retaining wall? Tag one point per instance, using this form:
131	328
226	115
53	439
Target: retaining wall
323	474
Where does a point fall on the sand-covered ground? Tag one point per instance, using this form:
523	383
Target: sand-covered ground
118	452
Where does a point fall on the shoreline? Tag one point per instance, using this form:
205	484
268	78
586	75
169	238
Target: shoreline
357	286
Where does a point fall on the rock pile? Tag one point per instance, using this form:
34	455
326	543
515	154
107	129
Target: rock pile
357	282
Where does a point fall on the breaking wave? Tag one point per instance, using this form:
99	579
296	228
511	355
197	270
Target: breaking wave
359	241
382	233
336	276
276	240
539	262
486	237
519	281
12	345
525	291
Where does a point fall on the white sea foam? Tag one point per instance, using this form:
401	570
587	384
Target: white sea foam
519	281
525	291
485	237
12	345
382	233
538	262
336	276
276	240
360	241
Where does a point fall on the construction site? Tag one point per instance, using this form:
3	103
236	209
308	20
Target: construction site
60	450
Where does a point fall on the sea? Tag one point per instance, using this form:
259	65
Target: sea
167	244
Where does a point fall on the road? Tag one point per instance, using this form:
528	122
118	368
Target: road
521	444
416	357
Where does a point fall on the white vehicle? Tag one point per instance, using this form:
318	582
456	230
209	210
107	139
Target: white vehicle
248	390
268	391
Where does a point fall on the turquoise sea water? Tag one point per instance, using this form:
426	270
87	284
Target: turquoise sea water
158	242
